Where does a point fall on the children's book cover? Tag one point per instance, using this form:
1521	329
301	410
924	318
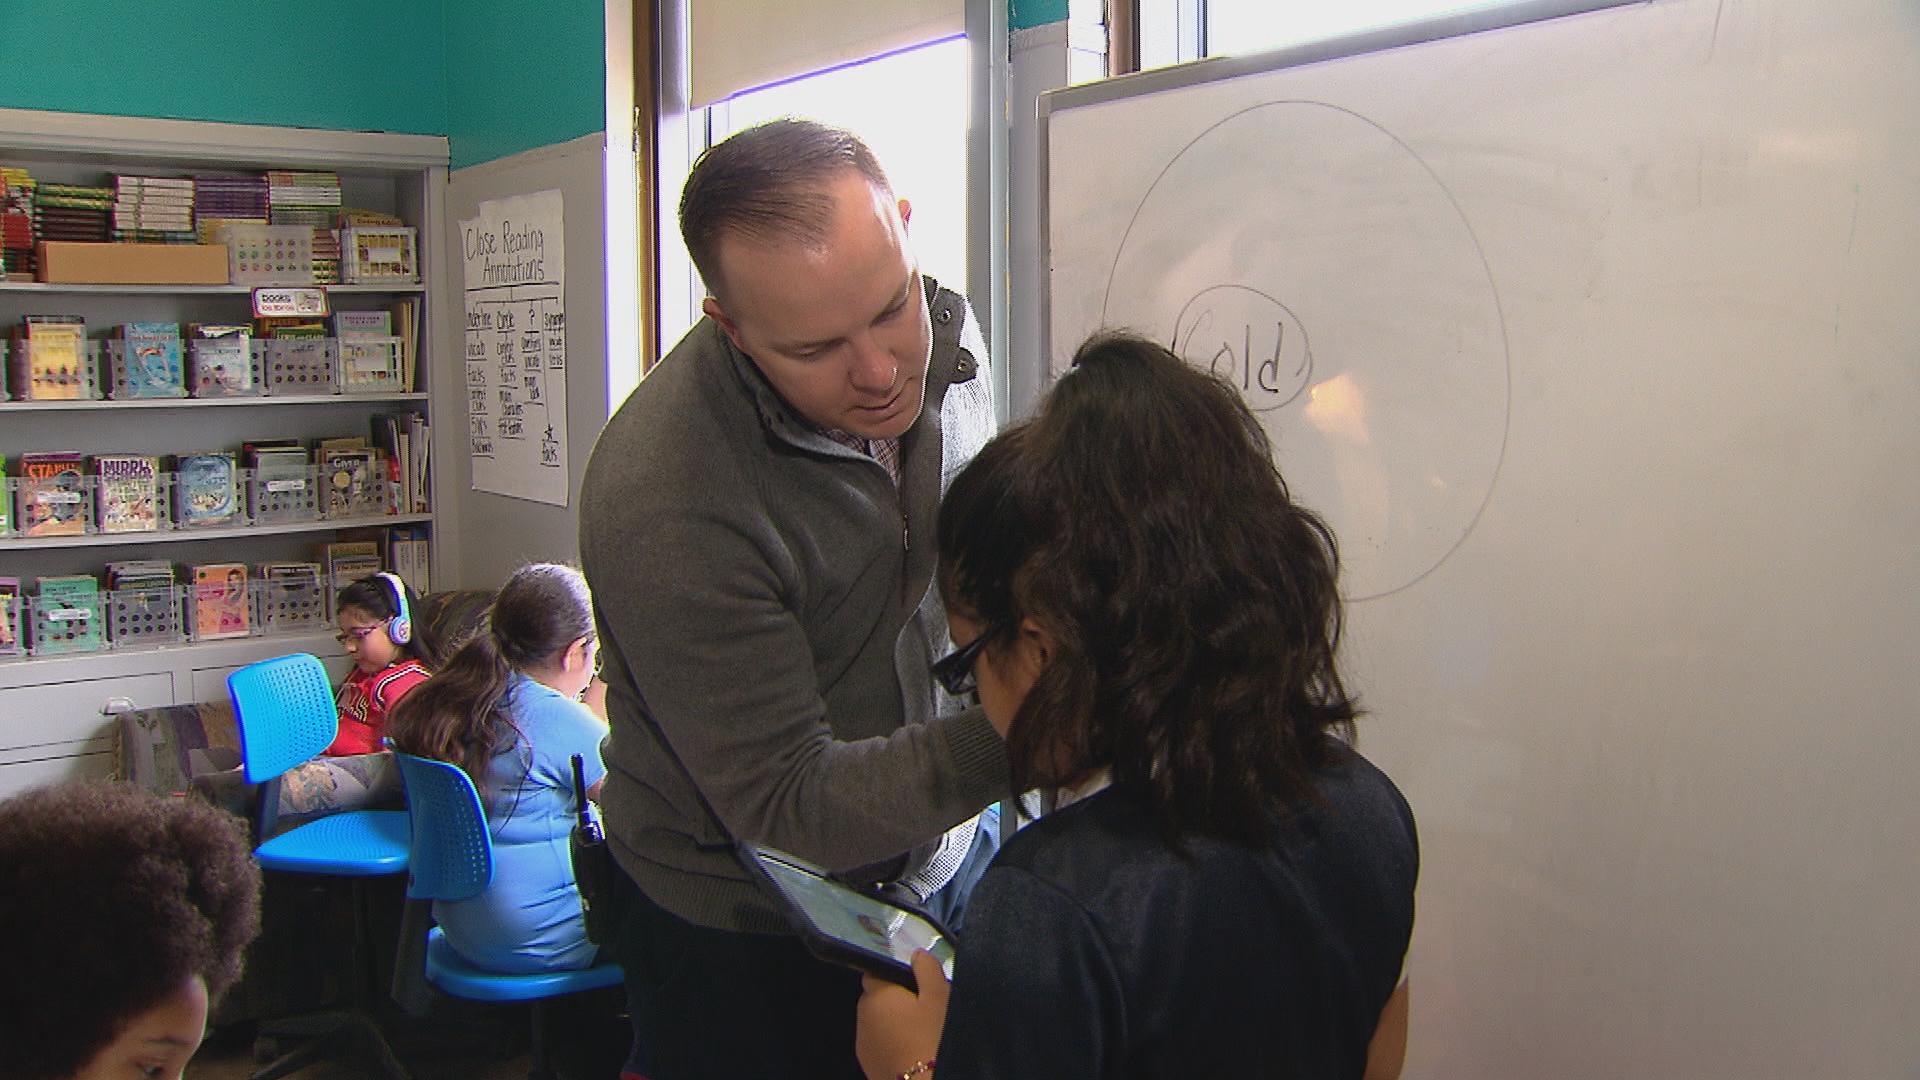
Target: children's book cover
153	367
351	482
52	494
67	617
127	492
220	607
51	358
222	360
205	489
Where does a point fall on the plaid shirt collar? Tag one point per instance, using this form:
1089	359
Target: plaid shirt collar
884	451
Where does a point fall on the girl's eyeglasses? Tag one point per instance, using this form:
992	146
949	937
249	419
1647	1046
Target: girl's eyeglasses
954	671
355	633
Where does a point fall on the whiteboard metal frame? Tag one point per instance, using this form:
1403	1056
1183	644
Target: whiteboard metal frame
1180	76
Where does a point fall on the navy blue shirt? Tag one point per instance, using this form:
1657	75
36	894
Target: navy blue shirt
1094	949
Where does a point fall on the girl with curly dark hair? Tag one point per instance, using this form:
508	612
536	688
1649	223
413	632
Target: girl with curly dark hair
1225	887
128	916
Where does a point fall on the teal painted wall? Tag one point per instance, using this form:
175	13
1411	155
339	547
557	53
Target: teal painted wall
240	61
523	74
496	77
1026	14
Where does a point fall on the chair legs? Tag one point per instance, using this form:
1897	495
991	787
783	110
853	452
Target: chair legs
351	1032
347	1035
542	1068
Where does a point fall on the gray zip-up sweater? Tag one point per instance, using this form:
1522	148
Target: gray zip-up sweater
768	595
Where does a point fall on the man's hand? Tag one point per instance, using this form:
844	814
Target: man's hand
895	1028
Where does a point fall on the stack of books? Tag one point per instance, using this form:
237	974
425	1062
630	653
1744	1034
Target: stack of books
140	575
16	221
223	200
282	487
73	212
346	562
153	209
292	596
312	199
405	439
409	553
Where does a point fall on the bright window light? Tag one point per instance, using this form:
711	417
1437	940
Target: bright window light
911	107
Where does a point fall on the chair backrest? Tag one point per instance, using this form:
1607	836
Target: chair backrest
285	711
452	855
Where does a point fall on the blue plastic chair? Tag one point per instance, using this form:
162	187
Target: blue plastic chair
286	714
453	860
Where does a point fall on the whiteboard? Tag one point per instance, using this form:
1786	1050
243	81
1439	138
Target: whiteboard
1596	337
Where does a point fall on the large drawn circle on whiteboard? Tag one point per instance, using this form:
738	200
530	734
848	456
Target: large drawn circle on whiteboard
1312	258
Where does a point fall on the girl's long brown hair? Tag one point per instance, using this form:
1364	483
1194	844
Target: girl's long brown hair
459	715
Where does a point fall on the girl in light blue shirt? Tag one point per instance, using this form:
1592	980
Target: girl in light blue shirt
506	708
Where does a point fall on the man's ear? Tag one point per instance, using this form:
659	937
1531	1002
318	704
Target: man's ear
906	211
715	312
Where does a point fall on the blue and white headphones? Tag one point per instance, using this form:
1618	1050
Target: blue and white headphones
400	627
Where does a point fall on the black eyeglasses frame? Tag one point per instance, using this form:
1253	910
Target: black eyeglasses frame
954	671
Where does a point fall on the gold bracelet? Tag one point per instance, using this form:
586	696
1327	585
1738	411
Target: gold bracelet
923	1067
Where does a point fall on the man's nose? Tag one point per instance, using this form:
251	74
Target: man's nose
874	368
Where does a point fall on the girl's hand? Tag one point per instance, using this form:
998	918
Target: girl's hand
896	1028
594	697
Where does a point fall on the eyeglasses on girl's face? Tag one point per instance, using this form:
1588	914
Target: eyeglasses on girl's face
954	671
354	635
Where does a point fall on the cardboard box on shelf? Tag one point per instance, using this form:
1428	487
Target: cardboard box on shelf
72	263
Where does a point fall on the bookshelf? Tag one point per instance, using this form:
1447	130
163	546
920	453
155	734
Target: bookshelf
54	709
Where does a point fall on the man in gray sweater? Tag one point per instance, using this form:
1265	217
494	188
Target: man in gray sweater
756	523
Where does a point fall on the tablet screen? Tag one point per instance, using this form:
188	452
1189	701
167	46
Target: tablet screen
860	921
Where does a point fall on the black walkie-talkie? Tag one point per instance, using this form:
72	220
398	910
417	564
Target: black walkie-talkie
593	867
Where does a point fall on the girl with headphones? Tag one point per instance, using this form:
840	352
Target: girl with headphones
376	628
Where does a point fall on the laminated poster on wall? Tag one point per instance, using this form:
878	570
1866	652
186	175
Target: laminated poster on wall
516	347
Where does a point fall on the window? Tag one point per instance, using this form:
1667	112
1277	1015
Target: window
911	107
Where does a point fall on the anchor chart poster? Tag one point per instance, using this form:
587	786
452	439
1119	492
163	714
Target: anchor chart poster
516	347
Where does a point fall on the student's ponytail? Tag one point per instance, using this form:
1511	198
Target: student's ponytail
455	715
459	715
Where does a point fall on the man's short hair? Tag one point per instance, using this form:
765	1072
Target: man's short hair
769	182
